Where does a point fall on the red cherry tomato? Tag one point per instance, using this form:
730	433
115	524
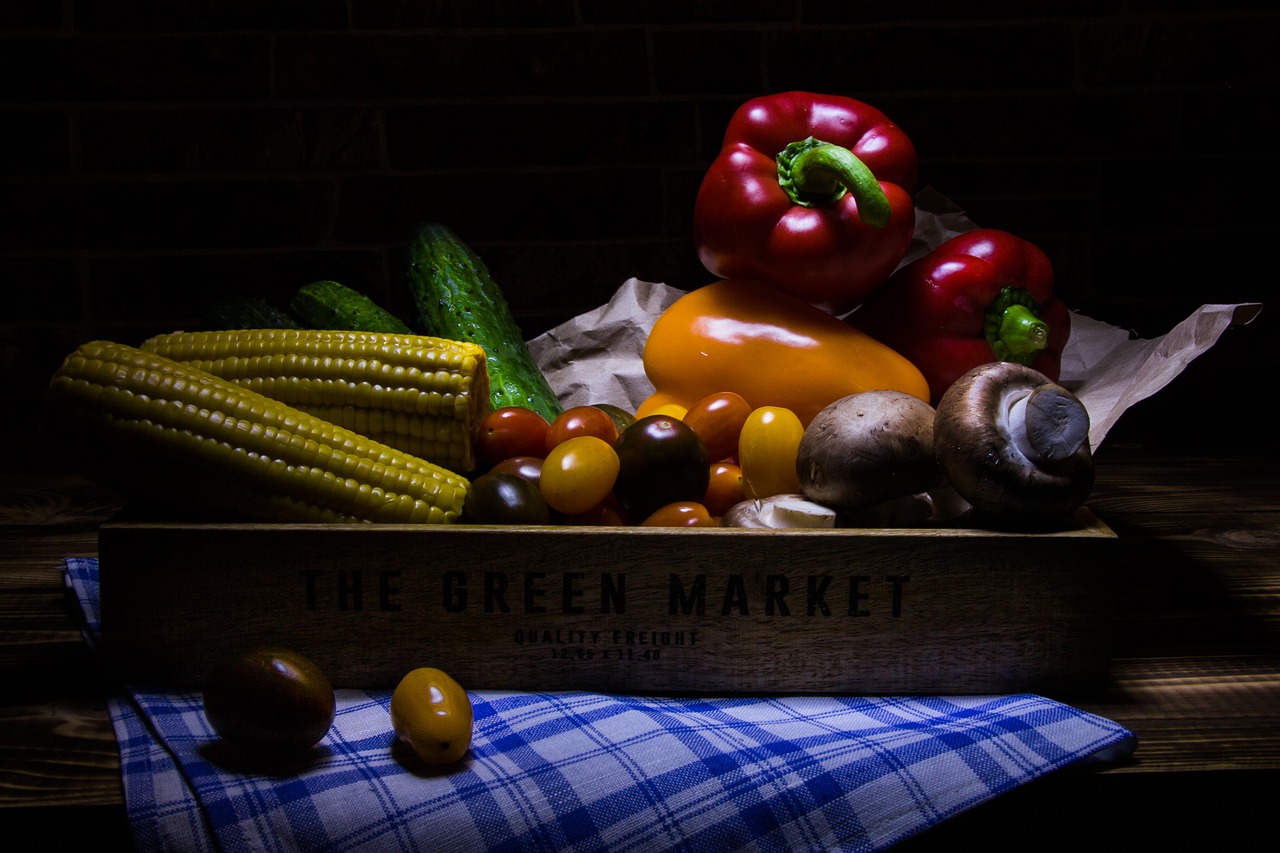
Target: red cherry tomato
581	420
725	487
621	416
511	431
680	514
718	419
603	514
579	473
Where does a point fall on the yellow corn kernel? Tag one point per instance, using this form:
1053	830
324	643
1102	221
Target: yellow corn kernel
165	431
423	395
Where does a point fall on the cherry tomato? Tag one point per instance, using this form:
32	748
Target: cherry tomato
502	498
579	473
511	431
603	514
681	514
581	420
661	460
433	715
269	702
529	467
767	451
671	410
652	403
718	419
621	417
725	487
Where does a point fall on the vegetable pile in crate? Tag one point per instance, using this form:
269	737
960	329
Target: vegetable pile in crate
804	214
847	541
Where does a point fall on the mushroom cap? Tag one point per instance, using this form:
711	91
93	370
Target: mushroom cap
1014	444
867	448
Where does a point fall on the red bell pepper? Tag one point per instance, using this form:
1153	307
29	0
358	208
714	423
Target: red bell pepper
812	194
980	297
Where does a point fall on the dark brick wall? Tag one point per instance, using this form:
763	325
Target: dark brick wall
157	152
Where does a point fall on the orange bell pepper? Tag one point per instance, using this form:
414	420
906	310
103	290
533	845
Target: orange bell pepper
772	348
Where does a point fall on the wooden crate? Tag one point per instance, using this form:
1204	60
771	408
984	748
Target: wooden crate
638	610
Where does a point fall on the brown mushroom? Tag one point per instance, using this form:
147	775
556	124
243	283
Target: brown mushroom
1014	444
868	448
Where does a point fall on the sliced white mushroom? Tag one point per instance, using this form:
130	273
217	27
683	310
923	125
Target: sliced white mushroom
778	512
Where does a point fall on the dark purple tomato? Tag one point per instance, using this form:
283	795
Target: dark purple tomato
269	702
504	498
529	467
661	461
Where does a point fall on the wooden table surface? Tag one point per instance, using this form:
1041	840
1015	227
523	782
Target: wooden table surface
1195	675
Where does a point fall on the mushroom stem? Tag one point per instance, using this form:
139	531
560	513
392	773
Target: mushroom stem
1048	424
1015	423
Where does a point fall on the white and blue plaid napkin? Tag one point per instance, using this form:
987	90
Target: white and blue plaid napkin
584	771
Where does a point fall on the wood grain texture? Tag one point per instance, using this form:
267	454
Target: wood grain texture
1207	712
57	747
58	753
620	609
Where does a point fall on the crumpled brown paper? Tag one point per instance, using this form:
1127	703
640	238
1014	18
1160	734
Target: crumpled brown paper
596	357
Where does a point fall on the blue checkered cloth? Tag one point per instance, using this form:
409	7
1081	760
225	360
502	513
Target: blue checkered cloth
580	771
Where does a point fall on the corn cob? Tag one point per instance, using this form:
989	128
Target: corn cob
160	430
425	396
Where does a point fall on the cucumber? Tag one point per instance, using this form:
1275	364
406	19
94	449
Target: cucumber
456	297
336	307
247	312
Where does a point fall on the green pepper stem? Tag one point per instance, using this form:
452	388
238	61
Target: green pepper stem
813	172
1013	329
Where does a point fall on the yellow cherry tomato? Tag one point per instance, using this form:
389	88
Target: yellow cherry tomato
432	713
671	410
653	403
578	473
767	448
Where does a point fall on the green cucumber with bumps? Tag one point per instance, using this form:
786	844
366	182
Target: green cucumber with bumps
336	307
456	297
247	312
